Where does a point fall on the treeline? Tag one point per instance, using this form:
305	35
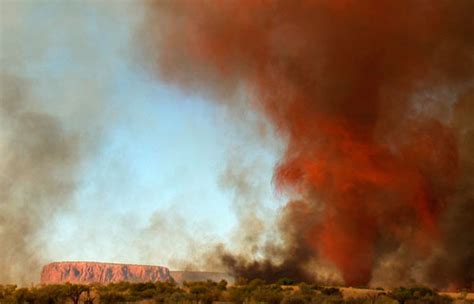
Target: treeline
256	291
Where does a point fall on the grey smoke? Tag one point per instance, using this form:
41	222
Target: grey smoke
52	119
38	164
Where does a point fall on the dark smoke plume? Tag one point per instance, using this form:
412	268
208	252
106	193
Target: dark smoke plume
366	94
288	261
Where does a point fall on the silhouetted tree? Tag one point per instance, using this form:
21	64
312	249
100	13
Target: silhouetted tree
74	291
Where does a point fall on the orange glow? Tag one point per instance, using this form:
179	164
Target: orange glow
338	79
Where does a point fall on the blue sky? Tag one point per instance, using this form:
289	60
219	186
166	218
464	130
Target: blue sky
150	150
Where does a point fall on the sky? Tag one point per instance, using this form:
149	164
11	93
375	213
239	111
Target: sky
150	179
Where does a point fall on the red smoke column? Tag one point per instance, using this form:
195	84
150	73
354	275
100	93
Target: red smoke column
350	84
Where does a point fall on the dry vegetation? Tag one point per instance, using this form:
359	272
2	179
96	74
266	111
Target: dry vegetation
256	291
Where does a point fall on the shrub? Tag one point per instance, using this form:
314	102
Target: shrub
358	301
7	293
267	294
331	291
307	290
222	285
418	295
51	294
24	295
237	295
110	297
176	297
286	281
295	299
255	283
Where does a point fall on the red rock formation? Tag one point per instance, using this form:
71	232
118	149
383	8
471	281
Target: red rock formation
89	272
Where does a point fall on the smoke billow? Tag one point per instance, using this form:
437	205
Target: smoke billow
54	86
455	260
38	163
371	97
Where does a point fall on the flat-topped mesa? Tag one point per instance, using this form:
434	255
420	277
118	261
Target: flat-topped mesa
94	272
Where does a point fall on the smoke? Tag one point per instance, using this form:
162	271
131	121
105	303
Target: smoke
52	118
38	163
368	96
284	256
456	257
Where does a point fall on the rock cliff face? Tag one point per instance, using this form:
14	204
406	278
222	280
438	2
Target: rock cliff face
90	272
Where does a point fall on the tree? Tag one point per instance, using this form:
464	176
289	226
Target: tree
7	293
89	299
24	295
222	285
111	297
74	291
49	294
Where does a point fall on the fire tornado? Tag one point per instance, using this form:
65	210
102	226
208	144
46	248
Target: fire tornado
367	95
